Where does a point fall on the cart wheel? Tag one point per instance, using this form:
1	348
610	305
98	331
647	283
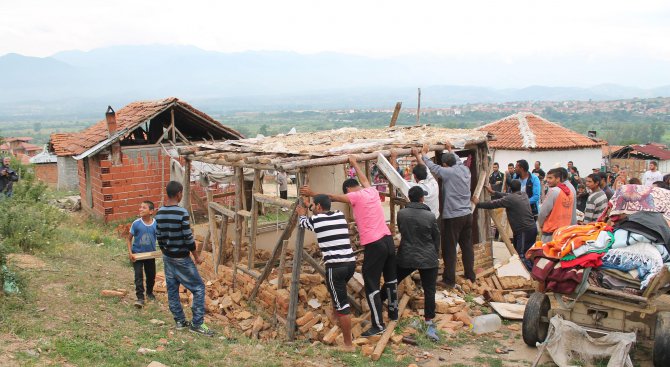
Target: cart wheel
661	350
536	319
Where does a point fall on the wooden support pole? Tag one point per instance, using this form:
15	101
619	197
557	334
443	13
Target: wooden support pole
295	277
220	252
280	278
186	199
392	209
290	225
396	112
503	235
239	192
381	345
254	219
211	219
222	210
172	127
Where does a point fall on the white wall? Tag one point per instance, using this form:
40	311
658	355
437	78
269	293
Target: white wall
584	159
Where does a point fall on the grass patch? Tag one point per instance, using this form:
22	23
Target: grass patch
488	361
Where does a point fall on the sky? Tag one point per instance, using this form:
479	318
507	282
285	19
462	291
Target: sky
510	30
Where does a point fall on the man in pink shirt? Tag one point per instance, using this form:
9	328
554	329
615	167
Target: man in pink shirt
378	243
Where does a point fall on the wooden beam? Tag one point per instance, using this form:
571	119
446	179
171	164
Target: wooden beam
172	128
148	255
503	235
223	194
381	345
239	196
186	199
396	112
267	199
211	219
221	253
295	278
222	209
254	219
290	225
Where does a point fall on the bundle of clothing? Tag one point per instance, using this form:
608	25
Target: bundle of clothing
624	255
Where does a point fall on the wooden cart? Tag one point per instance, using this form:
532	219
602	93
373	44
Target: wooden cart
600	310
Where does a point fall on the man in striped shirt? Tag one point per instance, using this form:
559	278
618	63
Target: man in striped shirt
596	204
175	240
332	234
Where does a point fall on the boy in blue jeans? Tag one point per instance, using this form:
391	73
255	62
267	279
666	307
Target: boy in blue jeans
175	240
143	239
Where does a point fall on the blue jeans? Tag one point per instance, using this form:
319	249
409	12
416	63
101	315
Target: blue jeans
183	271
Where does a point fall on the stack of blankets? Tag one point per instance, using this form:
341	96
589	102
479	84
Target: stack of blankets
623	253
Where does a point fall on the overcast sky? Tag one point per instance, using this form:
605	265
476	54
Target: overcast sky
509	29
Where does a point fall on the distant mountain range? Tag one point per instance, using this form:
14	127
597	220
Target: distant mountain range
73	81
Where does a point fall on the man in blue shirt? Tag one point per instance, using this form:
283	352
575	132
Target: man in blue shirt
530	184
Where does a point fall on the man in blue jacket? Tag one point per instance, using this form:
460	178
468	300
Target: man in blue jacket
530	184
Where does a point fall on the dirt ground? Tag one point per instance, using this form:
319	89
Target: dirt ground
61	320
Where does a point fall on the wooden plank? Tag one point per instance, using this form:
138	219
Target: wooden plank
148	255
480	185
295	278
223	194
254	220
280	278
390	328
496	282
244	213
508	243
392	175
220	252
222	210
186	198
267	199
239	196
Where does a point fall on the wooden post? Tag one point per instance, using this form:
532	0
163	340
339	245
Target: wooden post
418	108
290	225
221	253
172	127
254	219
211	219
295	276
280	277
239	190
186	199
392	209
396	112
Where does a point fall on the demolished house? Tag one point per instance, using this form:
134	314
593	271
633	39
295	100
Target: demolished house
127	157
239	272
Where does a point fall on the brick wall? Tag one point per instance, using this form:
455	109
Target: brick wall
47	173
483	257
142	176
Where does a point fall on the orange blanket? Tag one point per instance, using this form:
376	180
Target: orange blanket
569	238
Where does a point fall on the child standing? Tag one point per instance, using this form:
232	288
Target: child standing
175	240
143	239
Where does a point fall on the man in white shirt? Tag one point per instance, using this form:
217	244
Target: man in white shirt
652	175
424	179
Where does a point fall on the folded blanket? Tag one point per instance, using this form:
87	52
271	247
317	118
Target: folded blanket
641	256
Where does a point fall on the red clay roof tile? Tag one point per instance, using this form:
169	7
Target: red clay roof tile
526	131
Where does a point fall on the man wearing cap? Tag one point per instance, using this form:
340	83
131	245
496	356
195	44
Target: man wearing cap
456	214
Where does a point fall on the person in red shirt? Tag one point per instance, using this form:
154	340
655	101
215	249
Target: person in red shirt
375	237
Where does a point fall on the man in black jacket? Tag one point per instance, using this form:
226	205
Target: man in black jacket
520	217
419	250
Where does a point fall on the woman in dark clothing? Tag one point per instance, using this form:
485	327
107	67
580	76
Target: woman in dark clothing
582	197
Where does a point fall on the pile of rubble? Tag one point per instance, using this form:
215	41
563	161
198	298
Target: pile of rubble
266	317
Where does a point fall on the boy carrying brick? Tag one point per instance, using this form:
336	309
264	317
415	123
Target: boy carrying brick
143	239
175	240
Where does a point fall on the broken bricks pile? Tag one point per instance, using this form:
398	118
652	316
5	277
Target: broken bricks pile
228	306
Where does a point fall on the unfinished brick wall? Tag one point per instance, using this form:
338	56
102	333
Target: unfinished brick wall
47	173
483	257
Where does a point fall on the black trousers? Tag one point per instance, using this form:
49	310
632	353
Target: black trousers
149	267
380	258
283	194
428	280
457	231
523	241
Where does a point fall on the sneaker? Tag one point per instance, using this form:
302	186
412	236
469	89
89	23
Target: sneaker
139	303
182	324
202	330
151	297
431	331
372	332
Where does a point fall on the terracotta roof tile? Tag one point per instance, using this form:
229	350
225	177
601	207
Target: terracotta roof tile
129	117
526	131
659	151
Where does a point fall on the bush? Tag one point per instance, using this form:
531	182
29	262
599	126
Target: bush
27	222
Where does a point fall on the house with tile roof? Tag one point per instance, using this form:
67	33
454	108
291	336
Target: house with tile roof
528	136
127	157
635	158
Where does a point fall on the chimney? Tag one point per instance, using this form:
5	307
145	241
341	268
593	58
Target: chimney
110	116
